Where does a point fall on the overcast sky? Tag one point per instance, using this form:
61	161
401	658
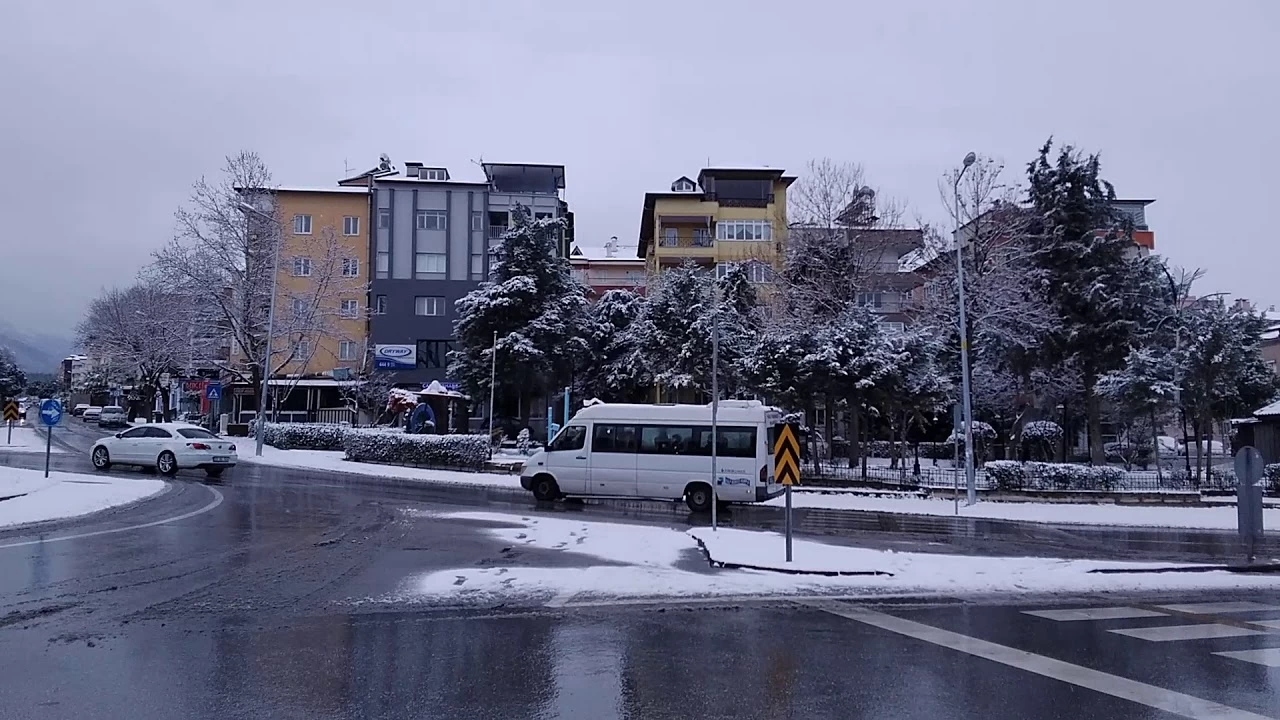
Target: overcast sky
112	109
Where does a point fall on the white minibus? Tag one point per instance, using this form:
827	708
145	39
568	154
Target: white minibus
659	452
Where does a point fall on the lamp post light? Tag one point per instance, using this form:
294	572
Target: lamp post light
260	430
970	479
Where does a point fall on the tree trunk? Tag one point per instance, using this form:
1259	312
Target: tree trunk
830	427
1198	427
1155	447
1208	449
1093	415
855	434
893	440
1186	440
810	419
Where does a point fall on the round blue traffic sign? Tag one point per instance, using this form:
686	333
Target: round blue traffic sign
50	412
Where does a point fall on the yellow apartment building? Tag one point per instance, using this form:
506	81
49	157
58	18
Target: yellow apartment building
726	215
322	282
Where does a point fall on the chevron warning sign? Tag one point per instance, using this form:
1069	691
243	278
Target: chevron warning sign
786	454
11	411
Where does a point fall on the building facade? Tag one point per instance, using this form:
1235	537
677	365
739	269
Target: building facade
428	246
726	216
601	275
322	281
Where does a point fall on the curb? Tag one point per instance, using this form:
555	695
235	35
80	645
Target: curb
1248	569
785	571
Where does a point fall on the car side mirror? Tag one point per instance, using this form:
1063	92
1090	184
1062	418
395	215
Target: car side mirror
119	435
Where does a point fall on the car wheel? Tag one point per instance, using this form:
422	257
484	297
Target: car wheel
167	464
101	458
698	497
545	488
213	472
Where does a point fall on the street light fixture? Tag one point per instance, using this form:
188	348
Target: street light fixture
970	479
260	429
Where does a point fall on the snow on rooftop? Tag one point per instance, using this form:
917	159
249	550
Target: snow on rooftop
1270	410
334	189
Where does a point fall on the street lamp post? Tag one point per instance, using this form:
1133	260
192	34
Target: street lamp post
260	429
970	479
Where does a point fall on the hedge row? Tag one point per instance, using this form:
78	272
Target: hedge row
1012	475
1271	475
464	452
304	436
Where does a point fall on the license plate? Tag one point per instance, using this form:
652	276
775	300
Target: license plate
222	458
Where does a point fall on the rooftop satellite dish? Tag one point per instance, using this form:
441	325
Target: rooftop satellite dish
384	163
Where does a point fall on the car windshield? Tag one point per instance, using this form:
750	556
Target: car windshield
113	409
196	433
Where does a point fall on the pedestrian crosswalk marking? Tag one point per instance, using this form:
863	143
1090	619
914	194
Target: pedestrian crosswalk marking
1215	608
1204	631
1102	613
1266	656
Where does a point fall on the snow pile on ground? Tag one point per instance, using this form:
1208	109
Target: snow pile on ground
25	440
1171	516
334	461
597	562
65	495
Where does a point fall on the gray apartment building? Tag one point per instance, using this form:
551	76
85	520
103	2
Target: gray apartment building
429	241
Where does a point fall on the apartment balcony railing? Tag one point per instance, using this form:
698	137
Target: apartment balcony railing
497	231
687	241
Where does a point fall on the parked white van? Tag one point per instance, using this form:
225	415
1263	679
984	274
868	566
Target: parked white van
660	452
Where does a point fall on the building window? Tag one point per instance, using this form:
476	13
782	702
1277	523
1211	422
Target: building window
751	230
350	225
683	186
895	328
430	306
430	263
347	350
757	272
302	349
477	267
669	237
434	354
302	267
701	237
299	308
384	264
433	220
350	308
436	174
350	267
871	299
477	221
384	218
380	305
301	224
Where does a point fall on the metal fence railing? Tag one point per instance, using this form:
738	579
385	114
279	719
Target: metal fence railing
1061	478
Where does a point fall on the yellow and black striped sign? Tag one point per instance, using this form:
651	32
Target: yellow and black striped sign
11	411
786	454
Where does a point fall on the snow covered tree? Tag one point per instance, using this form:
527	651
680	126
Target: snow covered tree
534	308
1101	290
12	378
675	332
612	370
1140	391
1223	372
138	331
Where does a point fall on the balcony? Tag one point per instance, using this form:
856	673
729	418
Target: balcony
497	231
684	240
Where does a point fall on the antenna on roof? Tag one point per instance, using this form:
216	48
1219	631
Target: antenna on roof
346	168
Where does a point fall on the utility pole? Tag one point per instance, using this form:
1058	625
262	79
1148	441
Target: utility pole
715	400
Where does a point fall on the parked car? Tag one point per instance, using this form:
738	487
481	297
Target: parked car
113	416
167	447
91	413
79	409
1206	446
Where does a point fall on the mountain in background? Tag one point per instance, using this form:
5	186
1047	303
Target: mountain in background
35	352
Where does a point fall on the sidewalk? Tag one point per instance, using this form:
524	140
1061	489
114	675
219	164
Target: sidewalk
582	562
26	439
27	496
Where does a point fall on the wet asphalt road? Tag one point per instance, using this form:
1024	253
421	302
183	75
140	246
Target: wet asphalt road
270	599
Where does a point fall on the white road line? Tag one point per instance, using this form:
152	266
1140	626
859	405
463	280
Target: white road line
1102	613
1215	608
1169	701
1205	631
1267	656
217	500
1266	623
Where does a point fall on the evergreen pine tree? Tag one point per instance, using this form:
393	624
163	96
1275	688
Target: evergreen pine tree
536	308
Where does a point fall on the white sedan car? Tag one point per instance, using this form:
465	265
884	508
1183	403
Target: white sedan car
167	447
